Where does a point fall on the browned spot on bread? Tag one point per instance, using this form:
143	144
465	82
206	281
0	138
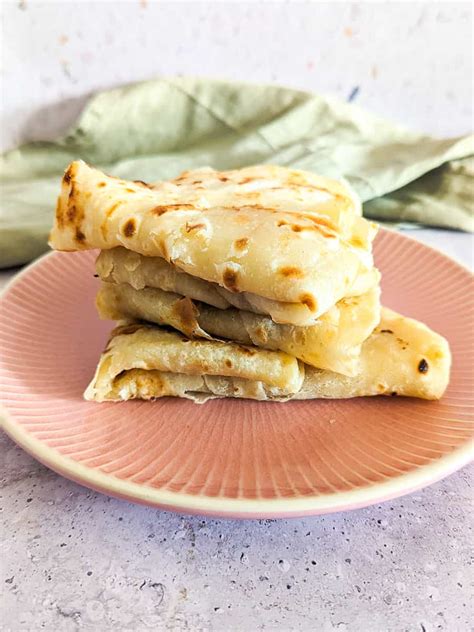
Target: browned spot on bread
259	207
242	218
381	388
248	195
357	242
190	226
320	224
101	185
69	174
59	213
125	330
298	228
423	366
128	190
197	182
71	214
247	351
402	343
72	192
242	243
329	235
261	334
394	393
246	180
291	272
79	236
386	331
104	229
317	224
223	178
182	176
159	210
112	209
325	233
143	184
150	381
309	301
242	205
228	364
320	221
229	278
340	197
350	300
187	313
129	228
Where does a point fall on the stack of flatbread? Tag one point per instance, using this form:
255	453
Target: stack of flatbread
254	283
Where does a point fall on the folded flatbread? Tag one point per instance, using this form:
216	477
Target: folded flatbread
283	189
401	357
300	253
120	265
137	346
333	343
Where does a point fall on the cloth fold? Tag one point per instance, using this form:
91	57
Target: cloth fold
154	130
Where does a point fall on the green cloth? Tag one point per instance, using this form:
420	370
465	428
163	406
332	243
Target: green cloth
154	130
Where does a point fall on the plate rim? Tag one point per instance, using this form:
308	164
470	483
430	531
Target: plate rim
249	508
108	484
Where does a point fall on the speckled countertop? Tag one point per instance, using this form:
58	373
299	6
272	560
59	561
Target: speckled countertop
76	560
72	559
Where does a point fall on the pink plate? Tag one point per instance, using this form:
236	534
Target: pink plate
229	457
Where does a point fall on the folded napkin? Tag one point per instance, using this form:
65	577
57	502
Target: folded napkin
156	129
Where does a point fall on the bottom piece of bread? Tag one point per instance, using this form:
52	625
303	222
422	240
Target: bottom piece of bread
401	357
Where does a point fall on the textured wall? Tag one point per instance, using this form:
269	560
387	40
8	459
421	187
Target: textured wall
408	61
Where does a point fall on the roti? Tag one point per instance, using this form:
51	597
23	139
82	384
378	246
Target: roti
303	258
402	357
333	343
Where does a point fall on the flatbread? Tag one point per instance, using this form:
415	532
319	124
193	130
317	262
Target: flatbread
137	346
333	343
120	265
294	257
401	358
280	188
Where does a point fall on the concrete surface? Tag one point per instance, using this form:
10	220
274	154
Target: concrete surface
76	560
71	559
